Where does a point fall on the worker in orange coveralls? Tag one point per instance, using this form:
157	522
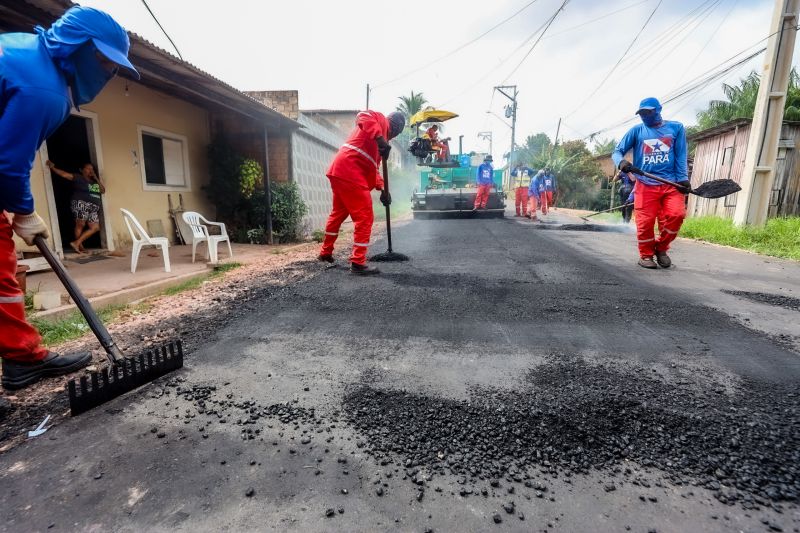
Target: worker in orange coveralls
353	174
42	76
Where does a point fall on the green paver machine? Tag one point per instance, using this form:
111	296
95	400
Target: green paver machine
447	186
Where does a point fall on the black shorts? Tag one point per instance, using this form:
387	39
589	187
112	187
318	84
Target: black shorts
83	210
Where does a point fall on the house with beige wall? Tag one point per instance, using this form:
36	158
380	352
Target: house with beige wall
148	139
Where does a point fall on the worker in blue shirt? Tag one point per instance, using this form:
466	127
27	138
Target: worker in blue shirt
42	76
626	184
485	179
659	148
534	193
548	187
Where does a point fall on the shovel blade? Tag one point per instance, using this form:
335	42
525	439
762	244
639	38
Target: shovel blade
717	188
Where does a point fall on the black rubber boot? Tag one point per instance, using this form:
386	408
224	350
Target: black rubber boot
663	259
326	258
363	270
18	375
647	262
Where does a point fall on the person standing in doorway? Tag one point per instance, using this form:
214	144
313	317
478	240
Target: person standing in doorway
42	76
85	203
485	179
353	175
522	181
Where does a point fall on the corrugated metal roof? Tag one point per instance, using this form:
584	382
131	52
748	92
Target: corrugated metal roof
718	130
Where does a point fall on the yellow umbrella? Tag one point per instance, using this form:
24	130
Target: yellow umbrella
430	115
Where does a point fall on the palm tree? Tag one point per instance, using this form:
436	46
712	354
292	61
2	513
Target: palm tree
409	105
741	101
606	146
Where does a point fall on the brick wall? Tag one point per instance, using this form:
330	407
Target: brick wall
280	164
284	102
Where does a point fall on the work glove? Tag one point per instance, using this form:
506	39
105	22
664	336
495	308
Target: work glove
29	226
383	147
625	165
386	198
687	186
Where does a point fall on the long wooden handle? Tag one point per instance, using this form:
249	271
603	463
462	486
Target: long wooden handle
388	213
113	352
659	179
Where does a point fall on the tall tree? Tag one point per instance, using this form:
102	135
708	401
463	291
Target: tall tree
740	102
606	146
411	104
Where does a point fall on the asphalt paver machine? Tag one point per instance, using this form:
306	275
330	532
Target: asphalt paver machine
447	182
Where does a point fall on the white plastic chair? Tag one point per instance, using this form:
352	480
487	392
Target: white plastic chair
198	223
142	239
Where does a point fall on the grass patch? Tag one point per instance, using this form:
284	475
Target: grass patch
194	283
780	237
74	326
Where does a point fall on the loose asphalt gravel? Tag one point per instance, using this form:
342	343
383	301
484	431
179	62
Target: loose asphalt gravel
498	381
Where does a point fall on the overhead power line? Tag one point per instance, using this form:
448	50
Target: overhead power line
628	49
549	23
162	29
695	85
502	62
458	48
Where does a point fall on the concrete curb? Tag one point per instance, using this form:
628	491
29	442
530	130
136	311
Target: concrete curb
123	297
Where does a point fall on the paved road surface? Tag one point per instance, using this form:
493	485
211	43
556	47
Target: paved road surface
480	303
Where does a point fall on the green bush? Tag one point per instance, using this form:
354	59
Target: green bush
318	235
288	210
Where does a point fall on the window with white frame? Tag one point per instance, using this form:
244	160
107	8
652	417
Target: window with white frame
164	160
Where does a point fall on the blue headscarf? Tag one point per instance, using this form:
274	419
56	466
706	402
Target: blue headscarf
72	42
654	119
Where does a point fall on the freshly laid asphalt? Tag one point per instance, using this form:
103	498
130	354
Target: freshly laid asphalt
504	379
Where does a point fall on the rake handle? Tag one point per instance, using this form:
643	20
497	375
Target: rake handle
113	352
608	210
388	213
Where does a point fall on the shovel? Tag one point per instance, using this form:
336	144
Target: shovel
710	189
125	373
586	218
388	255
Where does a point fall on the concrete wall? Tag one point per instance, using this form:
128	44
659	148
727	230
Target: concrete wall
284	102
313	148
117	118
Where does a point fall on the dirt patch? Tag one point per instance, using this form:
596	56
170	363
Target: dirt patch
192	316
776	300
571	417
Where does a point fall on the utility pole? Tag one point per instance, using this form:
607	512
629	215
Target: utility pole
367	108
486	135
555	141
510	92
758	176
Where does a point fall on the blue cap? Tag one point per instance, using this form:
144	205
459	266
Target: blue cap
650	103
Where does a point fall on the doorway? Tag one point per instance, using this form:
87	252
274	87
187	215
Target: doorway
69	148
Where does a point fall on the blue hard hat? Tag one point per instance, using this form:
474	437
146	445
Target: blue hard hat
650	103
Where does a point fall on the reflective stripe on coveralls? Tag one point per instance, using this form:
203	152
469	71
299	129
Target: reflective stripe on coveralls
362	152
482	196
662	203
19	341
521	200
355	202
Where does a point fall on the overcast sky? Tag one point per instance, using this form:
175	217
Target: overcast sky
329	51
